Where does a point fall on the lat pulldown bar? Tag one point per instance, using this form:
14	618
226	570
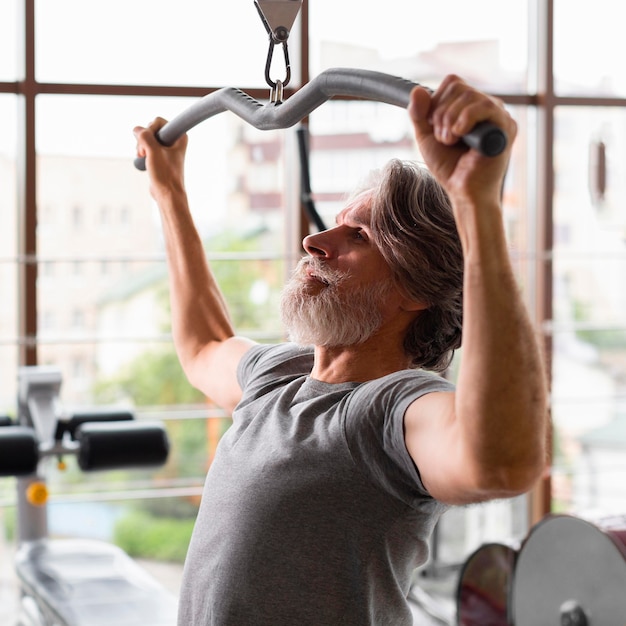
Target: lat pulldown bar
486	138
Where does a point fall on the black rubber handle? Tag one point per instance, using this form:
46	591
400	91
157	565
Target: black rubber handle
487	139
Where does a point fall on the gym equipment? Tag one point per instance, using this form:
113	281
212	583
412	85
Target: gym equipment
69	582
485	137
306	195
485	586
572	572
276	113
568	571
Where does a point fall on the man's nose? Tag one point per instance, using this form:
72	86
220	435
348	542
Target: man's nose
320	244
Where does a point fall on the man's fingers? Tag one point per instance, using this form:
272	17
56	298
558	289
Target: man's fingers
419	111
419	105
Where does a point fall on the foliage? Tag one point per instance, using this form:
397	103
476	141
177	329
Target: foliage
603	339
155	378
8	518
188	448
237	278
164	539
151	379
610	340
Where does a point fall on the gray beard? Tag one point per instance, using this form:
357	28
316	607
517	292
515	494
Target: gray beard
332	317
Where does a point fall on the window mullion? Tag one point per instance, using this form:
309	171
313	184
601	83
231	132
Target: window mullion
27	191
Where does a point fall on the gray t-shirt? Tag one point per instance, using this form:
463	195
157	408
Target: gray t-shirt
313	512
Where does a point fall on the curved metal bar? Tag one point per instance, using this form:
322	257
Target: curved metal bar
485	137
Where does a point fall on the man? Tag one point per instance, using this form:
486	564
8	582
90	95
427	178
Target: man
343	455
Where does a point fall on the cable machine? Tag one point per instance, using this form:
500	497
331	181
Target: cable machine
278	17
554	575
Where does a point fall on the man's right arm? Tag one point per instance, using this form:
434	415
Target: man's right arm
205	342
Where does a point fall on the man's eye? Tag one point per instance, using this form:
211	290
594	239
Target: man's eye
358	234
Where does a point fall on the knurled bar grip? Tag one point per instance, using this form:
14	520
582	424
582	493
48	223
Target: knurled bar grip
485	137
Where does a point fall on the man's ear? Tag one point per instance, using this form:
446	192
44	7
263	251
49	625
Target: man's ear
408	304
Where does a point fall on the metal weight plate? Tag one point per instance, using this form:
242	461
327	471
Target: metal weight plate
484	586
571	572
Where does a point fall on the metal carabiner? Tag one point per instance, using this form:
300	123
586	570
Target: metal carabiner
276	86
278	18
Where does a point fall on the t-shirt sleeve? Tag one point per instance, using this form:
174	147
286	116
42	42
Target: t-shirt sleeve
374	428
266	366
249	361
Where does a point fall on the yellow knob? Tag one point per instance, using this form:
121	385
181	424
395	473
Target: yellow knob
37	494
61	465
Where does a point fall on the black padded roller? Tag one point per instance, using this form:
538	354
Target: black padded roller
19	451
106	446
77	419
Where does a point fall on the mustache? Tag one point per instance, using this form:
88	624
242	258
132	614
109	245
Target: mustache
312	266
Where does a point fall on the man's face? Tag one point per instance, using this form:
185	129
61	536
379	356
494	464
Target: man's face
322	308
342	293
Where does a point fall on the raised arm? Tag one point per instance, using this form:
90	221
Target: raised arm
203	334
488	439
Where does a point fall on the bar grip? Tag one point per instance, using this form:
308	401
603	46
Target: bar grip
486	138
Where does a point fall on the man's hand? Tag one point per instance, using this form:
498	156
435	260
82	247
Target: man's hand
165	165
440	120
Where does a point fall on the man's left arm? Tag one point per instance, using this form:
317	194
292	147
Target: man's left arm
488	438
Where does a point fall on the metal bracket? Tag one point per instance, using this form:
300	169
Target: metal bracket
278	16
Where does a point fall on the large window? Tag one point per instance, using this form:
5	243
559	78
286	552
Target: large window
589	329
588	49
82	266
